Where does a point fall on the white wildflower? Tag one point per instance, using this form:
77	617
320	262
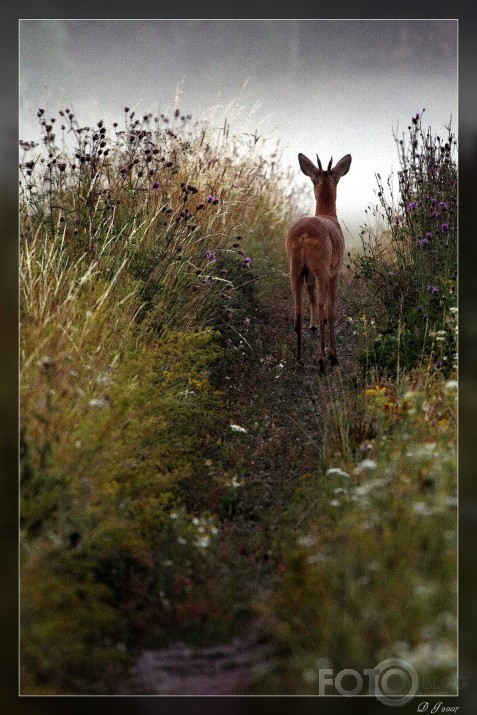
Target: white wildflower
98	403
425	589
451	501
54	538
451	385
366	464
421	508
237	428
361	492
307	540
203	541
336	470
103	379
45	363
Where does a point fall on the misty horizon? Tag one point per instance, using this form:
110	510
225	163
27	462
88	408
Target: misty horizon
315	86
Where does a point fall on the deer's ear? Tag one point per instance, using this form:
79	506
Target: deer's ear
342	167
307	167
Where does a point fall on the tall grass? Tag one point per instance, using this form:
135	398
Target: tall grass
408	271
371	572
149	253
138	255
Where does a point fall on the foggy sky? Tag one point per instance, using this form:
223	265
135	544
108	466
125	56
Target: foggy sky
332	87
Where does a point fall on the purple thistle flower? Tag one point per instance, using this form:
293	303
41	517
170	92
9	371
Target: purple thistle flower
411	205
428	235
207	280
443	204
391	274
423	242
432	290
155	185
210	255
444	227
248	262
211	199
433	201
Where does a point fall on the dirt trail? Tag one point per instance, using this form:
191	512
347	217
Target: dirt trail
225	669
285	401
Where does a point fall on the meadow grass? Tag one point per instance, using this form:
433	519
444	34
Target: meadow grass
137	261
371	573
179	477
407	269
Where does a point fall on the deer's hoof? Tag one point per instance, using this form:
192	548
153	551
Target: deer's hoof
333	359
313	331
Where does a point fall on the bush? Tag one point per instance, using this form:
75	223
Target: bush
137	271
408	270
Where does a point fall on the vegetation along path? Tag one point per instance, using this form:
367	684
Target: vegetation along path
199	513
273	454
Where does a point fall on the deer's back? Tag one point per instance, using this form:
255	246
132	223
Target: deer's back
316	237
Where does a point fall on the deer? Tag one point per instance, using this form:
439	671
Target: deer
315	249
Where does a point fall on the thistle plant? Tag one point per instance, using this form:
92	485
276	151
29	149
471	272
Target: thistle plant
409	269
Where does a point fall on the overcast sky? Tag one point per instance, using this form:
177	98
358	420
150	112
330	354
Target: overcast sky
332	87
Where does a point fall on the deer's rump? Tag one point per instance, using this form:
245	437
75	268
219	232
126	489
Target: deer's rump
316	237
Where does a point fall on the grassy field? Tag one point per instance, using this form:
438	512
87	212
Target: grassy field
181	478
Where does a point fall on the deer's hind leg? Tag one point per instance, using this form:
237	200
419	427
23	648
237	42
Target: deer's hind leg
331	319
296	279
311	288
322	276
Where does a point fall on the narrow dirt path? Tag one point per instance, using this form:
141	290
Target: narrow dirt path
224	669
279	405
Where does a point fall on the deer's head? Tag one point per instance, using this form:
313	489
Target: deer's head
326	180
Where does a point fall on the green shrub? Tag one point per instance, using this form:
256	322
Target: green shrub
408	270
136	273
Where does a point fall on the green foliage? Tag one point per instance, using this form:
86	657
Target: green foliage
373	576
407	271
135	276
96	494
154	303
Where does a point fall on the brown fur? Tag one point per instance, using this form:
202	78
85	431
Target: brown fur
315	249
